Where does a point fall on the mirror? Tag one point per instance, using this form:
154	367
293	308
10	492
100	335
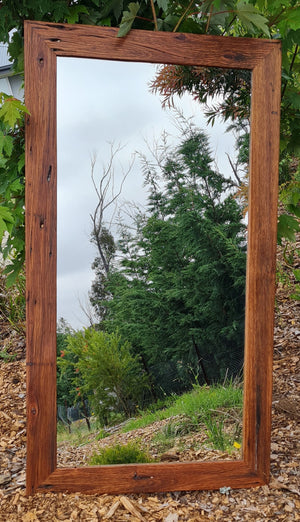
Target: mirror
44	43
193	356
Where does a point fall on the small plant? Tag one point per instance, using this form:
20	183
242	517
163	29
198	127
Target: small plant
101	434
165	438
223	438
117	454
103	370
216	432
12	302
296	294
5	356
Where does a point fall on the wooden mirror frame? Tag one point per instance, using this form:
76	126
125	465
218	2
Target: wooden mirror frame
43	43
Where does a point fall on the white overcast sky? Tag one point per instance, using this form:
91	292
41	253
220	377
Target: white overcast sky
101	102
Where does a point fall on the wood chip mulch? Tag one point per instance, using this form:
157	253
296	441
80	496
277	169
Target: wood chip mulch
279	501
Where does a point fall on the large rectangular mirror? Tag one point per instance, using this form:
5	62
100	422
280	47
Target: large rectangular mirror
47	46
155	253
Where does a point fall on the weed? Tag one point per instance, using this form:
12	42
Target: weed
224	429
101	434
12	302
79	435
165	438
5	356
216	432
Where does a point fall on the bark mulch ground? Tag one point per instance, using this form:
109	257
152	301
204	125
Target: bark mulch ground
280	500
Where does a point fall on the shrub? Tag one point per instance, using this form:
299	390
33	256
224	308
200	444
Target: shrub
105	371
117	454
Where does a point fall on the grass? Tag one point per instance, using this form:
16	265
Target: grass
169	435
218	409
79	435
196	405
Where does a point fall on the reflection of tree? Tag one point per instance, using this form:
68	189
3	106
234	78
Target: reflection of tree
103	369
229	88
68	396
179	294
225	93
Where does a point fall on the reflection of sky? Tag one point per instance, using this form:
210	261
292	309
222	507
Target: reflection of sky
101	102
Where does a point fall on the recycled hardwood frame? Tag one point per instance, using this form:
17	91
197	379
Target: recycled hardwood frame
43	43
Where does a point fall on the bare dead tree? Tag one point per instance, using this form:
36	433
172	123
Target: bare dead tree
108	190
107	195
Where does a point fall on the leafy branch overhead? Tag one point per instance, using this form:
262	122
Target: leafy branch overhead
276	19
213	13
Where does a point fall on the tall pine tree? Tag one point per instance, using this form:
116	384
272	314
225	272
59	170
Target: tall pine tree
179	296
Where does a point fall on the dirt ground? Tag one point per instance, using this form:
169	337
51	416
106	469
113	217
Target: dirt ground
280	500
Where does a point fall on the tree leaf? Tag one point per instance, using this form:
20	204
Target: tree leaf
287	228
249	17
293	98
112	6
163	4
15	47
128	18
11	110
6	144
217	4
12	271
21	162
293	18
6	221
74	12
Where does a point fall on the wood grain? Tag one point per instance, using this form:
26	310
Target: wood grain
261	258
154	47
133	478
43	43
40	204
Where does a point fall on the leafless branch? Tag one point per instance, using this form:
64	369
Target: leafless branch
87	310
107	195
234	170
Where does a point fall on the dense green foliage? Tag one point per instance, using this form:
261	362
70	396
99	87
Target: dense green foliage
66	392
12	317
179	294
12	159
101	368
